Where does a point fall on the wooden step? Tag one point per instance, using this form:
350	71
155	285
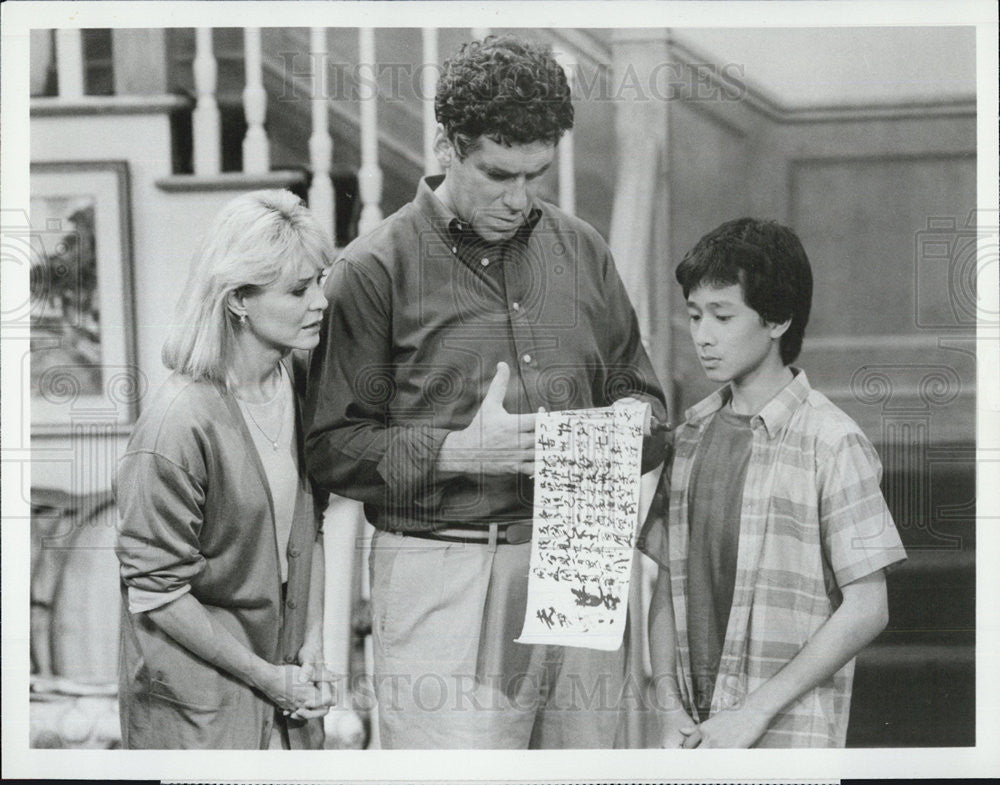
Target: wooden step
933	590
912	692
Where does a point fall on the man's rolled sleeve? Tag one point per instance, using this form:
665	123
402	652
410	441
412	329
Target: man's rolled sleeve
858	533
408	467
160	516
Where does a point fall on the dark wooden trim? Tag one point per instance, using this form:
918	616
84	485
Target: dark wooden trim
107	105
230	181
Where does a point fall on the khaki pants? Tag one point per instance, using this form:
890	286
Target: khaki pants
447	671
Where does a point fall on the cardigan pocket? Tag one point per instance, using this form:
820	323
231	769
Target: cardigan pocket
198	686
176	724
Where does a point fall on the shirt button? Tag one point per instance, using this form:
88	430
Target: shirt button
485	262
292	604
527	359
454	249
516	306
289	658
293	553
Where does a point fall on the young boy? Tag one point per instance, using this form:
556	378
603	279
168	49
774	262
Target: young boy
775	536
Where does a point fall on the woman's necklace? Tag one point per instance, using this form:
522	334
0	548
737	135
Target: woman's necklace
247	407
281	424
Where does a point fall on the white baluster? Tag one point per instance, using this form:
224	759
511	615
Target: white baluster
207	126
42	51
345	530
428	78
69	61
256	155
320	143
479	33
567	168
369	175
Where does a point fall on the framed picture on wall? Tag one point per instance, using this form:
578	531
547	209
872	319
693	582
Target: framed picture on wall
82	359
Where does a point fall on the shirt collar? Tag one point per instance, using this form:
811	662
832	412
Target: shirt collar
449	224
772	417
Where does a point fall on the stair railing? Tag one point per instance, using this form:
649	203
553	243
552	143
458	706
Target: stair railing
320	142
206	122
369	175
256	152
428	89
69	60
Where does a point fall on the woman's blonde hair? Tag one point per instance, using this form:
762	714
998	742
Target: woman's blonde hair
255	240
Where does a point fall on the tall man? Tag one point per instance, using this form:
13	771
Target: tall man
449	325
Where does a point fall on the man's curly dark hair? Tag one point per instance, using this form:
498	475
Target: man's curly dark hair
507	89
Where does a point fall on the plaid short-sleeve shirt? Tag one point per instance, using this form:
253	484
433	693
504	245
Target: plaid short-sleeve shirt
813	520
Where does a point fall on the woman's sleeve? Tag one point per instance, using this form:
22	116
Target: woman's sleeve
160	508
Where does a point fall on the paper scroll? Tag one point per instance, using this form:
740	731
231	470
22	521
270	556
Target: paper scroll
587	469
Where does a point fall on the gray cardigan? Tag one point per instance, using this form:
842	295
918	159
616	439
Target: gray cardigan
195	508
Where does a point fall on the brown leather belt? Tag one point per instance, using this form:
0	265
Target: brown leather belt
494	534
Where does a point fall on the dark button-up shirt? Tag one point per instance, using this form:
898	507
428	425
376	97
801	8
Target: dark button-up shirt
421	311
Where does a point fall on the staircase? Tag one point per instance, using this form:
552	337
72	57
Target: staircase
915	685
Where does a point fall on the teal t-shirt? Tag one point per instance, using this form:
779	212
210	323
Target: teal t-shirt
715	493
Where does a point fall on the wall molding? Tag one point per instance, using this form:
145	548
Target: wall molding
880	157
762	103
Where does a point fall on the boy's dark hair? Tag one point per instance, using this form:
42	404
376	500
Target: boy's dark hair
506	89
769	263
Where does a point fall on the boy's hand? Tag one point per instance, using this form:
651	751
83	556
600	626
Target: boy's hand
736	728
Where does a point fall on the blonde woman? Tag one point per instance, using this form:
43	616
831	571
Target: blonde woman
219	538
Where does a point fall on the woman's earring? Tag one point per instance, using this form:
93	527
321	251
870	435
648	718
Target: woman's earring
243	320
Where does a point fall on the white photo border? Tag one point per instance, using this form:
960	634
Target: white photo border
466	766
